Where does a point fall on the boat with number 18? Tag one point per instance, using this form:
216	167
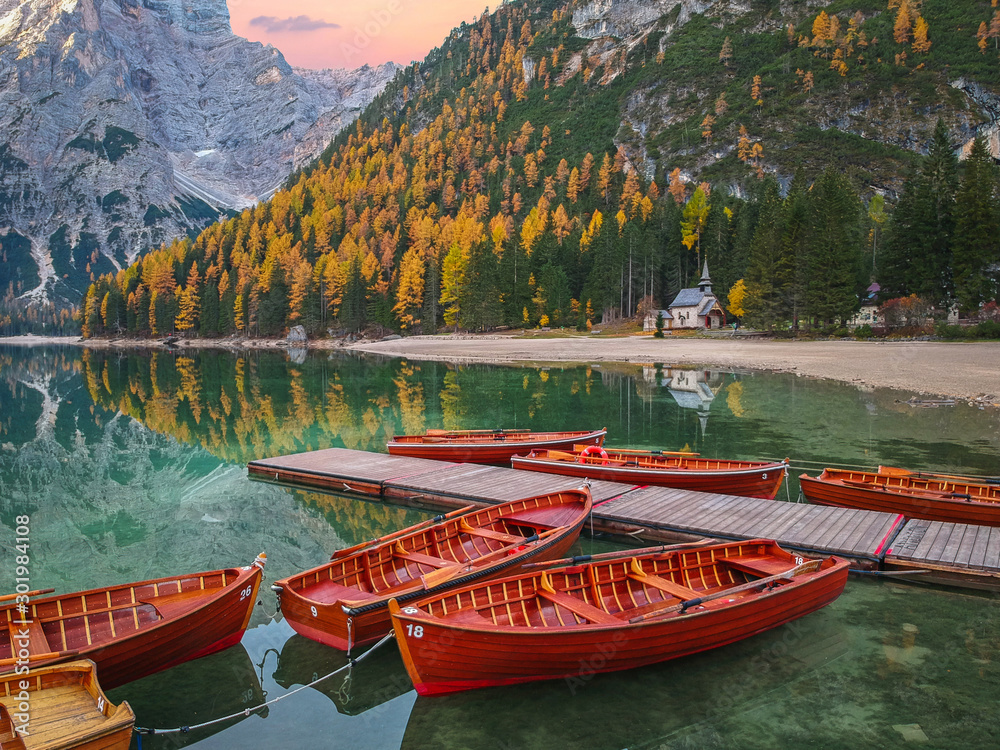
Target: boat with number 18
632	608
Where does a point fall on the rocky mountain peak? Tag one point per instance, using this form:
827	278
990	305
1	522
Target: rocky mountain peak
125	123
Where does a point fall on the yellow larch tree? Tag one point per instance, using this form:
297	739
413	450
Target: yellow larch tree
187	315
921	43
410	293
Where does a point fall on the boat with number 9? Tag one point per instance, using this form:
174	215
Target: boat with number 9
344	603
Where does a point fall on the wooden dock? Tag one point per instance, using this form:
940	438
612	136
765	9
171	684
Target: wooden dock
955	554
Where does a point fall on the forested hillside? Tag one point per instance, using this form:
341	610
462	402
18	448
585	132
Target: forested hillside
556	164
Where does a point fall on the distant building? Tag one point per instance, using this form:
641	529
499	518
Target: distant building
868	313
696	307
649	322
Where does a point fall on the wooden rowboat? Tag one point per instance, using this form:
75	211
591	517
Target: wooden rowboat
344	603
486	446
928	497
134	629
64	708
686	471
607	614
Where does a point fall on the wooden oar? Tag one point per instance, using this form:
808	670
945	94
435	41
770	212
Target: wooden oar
45	658
620	554
637	452
435	432
806	567
966	479
39	592
402	532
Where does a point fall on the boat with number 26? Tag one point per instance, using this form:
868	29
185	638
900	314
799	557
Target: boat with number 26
132	629
631	608
344	603
681	470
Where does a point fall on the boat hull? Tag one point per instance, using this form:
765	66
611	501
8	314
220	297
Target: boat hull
318	606
760	481
820	491
489	451
130	632
449	654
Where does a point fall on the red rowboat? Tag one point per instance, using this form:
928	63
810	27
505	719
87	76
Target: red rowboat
915	496
486	446
66	709
344	603
134	629
686	471
625	610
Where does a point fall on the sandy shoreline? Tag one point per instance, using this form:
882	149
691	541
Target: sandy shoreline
956	370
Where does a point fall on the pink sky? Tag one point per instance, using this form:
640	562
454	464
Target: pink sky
350	33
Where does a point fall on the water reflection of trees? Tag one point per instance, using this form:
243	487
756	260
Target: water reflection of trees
246	406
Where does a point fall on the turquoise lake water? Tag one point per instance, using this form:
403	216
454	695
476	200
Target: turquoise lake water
132	466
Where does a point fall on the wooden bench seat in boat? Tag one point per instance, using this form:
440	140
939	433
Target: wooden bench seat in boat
668	587
676	590
760	566
579	607
60	716
420	557
328	592
490	533
37	642
542	519
171	605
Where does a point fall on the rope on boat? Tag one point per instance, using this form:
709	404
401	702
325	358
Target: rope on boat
247	711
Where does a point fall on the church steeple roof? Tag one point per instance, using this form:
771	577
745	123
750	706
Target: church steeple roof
705	284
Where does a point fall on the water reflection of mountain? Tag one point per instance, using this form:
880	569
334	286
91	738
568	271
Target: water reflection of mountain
177	697
101	487
376	679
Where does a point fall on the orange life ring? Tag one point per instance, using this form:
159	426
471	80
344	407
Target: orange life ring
593	450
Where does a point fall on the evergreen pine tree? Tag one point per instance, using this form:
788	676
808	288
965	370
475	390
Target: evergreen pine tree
977	231
834	249
764	297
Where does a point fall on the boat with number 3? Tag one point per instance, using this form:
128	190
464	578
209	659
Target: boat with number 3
678	469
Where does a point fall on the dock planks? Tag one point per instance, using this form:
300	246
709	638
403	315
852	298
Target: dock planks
956	554
950	553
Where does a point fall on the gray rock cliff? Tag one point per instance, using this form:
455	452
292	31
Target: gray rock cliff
126	123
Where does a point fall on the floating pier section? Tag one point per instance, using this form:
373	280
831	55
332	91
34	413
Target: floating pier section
953	554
